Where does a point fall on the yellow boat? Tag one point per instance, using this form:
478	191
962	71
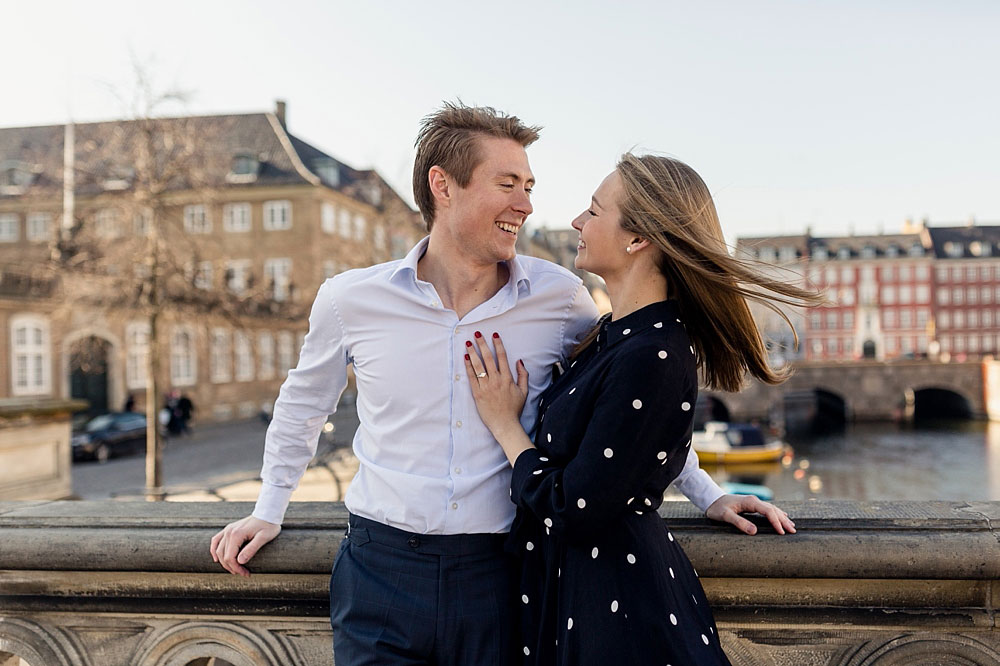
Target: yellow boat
735	443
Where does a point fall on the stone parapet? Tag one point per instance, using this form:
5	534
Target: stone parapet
109	583
35	454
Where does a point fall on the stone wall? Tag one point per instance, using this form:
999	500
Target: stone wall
35	454
116	583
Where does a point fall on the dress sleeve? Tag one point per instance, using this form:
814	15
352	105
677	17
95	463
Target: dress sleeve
640	420
307	397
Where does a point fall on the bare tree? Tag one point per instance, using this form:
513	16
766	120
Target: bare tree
129	249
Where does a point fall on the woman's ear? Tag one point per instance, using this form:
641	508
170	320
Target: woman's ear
638	243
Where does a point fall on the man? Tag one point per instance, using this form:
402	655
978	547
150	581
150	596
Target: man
421	577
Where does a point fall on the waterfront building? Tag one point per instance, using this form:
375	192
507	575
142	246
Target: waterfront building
920	293
258	216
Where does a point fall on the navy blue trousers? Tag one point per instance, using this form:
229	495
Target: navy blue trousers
403	598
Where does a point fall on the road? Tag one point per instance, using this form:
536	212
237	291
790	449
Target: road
215	455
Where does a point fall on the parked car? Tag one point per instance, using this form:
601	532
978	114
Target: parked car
109	435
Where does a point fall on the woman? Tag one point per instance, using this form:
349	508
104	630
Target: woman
603	580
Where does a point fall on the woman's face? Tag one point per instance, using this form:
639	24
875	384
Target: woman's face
601	249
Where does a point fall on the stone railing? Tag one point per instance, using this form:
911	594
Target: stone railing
132	583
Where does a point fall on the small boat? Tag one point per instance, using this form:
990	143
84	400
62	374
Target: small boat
759	490
734	443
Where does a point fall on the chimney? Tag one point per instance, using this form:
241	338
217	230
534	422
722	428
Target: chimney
279	111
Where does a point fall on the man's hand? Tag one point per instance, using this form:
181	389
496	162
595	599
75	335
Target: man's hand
727	509
227	546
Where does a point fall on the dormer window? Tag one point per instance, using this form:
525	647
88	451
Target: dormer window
119	178
328	170
868	252
916	250
15	177
244	168
820	253
892	250
980	249
953	249
844	252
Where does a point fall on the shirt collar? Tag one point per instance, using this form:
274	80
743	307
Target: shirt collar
408	266
656	315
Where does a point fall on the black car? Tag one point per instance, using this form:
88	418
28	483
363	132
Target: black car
110	435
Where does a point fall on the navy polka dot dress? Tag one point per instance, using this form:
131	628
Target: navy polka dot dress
602	579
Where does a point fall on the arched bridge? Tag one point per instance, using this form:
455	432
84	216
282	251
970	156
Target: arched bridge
875	390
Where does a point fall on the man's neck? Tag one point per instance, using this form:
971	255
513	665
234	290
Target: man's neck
462	283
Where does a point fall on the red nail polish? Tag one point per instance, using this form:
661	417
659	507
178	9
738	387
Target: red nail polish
496	335
468	344
478	334
466	357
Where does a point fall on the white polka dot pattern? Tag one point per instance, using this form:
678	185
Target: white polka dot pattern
524	598
593	553
569	624
686	406
673	619
581	502
662	354
614	606
637	404
662	455
608	453
528	546
631	558
548	522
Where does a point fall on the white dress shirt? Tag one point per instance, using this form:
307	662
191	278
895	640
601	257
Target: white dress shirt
427	463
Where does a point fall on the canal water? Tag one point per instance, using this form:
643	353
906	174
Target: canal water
956	460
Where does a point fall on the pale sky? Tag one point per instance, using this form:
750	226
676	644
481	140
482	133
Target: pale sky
839	116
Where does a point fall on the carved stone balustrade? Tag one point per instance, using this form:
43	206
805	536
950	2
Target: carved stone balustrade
132	584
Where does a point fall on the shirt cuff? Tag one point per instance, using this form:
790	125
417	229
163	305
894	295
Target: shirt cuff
272	502
527	462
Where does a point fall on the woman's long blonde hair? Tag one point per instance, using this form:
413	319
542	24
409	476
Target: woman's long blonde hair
667	202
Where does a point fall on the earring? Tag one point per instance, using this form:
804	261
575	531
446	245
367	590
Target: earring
629	249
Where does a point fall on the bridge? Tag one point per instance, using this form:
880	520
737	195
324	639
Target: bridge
132	584
874	390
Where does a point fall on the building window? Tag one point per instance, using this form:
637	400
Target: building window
888	295
971	273
360	227
196	220
959	318
136	354
985	295
183	360
889	318
848	320
277	215
238	275
892	250
922	293
820	253
237	217
831	275
243	355
832	319
220	364
106	224
39	226
973	318
953	249
956	273
905	273
787	254
265	355
987	318
278	273
815	320
30	355
286	353
905	318
959	343
944	320
942	274
9	227
921	318
973	343
847	275
888	274
868	252
142	223
905	294
344	223
846	296
996	294
957	296
245	165
203	276
971	296
920	272
328	218
916	250
379	238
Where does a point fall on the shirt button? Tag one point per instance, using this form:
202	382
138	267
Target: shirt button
454	505
458	377
458	424
458	470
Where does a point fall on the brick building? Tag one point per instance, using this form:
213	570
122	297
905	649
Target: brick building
259	217
926	291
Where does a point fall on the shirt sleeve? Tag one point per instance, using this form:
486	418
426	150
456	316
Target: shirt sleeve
307	397
640	420
696	484
581	316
